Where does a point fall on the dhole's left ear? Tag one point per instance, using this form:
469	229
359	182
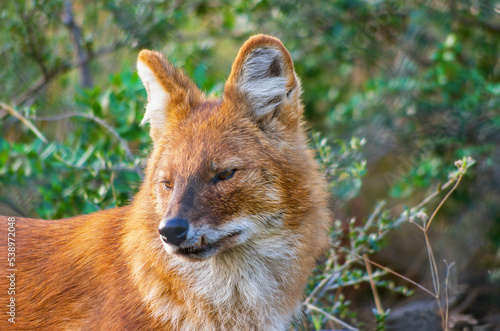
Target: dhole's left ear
171	94
263	75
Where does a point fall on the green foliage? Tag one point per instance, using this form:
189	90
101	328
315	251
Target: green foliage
90	170
343	167
381	318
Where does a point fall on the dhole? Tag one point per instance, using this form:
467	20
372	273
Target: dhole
225	228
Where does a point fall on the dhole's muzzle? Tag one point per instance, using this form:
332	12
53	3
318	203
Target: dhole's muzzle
196	243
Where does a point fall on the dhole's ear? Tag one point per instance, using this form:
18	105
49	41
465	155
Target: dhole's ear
263	75
171	94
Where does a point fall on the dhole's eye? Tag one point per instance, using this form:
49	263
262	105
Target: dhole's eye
167	185
225	175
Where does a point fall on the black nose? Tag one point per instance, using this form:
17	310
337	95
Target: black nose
174	230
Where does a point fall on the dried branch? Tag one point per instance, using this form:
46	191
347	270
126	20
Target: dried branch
444	199
23	119
330	316
392	272
376	297
431	196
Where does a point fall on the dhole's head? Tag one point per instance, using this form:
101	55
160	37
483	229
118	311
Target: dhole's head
226	173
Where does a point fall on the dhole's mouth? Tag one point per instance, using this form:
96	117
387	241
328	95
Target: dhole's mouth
204	249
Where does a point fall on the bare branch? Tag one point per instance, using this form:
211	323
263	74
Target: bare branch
376	297
39	85
444	199
24	120
330	317
393	272
438	190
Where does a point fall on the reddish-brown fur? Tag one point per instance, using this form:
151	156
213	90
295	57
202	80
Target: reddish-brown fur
110	271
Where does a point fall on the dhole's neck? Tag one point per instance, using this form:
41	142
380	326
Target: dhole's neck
251	285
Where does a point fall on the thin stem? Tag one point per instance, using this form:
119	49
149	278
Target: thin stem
375	213
434	194
23	119
419	226
356	281
395	273
316	289
434	274
444	199
433	266
331	317
376	297
325	281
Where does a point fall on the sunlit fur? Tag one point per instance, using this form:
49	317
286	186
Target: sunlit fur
157	98
266	224
263	90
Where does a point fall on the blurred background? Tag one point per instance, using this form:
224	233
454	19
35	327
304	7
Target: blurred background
395	91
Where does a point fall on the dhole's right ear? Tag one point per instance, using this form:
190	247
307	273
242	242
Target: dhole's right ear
263	77
171	94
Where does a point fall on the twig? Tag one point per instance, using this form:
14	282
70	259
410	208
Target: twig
356	281
123	142
23	119
316	289
434	274
393	272
444	199
433	265
34	89
418	225
375	213
325	281
331	317
434	194
376	297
